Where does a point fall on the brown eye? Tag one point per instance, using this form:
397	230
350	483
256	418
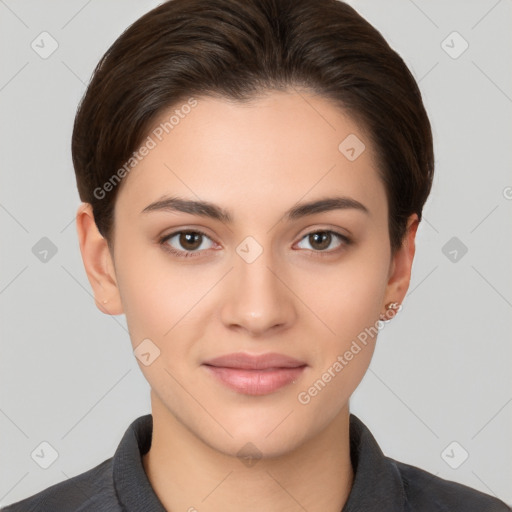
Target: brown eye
186	243
190	240
320	241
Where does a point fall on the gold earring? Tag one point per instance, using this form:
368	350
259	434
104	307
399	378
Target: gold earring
392	306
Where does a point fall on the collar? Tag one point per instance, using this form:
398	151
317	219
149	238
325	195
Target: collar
377	484
131	483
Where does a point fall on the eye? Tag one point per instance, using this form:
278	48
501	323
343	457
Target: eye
320	241
190	243
186	243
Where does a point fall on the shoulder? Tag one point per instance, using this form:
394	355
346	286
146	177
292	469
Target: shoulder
92	490
427	492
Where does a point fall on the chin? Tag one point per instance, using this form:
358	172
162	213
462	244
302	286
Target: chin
255	445
269	433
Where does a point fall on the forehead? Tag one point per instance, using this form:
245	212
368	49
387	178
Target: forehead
275	149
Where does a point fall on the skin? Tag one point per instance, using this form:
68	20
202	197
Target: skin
255	160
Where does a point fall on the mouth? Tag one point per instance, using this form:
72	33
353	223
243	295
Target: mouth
255	374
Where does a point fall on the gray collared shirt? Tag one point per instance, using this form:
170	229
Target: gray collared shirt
380	484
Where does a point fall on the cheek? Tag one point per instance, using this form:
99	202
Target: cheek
163	305
347	297
148	296
350	307
160	298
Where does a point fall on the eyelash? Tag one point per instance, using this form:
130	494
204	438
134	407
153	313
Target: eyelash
191	254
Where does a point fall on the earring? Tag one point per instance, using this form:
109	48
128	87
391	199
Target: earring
392	306
105	301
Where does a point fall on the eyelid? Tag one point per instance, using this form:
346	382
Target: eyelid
345	240
162	241
318	226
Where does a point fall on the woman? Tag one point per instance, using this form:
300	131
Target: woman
253	176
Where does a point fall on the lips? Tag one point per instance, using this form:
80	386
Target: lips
255	374
255	362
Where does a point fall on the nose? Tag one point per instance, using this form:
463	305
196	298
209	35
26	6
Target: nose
258	300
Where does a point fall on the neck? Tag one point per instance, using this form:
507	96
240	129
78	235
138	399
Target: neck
187	474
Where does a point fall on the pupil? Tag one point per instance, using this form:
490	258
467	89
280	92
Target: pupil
322	239
190	240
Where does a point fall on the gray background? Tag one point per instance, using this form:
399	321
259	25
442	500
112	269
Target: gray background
441	371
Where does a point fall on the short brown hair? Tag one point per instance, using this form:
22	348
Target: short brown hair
237	49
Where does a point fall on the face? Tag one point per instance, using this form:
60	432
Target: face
289	260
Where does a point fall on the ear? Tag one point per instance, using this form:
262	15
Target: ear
401	266
98	262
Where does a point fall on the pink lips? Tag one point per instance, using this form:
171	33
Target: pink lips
255	374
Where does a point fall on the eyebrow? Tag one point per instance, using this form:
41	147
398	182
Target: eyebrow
207	209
